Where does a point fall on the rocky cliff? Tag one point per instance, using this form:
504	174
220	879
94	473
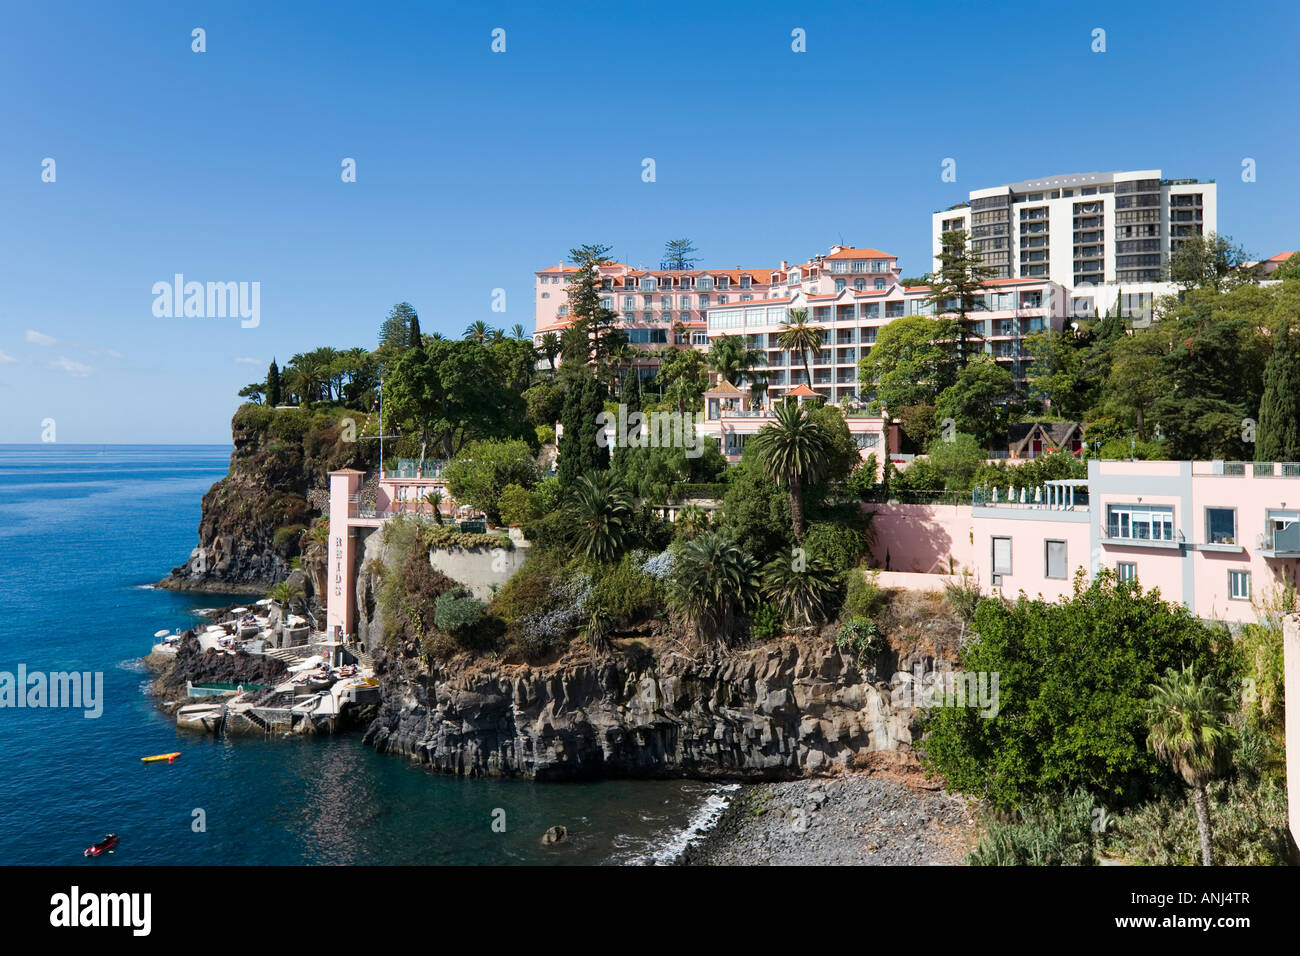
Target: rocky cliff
785	709
253	519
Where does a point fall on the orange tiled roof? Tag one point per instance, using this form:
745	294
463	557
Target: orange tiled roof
848	253
1280	257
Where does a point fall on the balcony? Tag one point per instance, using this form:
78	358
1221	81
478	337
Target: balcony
1110	537
1279	542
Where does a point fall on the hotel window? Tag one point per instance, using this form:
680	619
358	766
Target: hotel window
1140	522
744	282
699	338
704	302
722	300
1221	525
665	317
704	283
629	302
1239	585
665	302
607	302
724	282
839	285
1001	555
647	316
792	278
860	285
562	311
683	302
1055	559
546	295
880	283
1126	571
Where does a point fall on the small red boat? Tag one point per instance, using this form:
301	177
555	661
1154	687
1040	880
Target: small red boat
105	845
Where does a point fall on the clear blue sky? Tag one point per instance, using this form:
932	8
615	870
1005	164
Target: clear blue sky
474	169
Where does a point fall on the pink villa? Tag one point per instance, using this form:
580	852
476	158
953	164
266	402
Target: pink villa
1219	537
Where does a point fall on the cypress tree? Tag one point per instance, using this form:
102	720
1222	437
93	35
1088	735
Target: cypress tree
414	341
1277	437
273	385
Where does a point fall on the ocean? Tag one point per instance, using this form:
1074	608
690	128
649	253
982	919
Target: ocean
84	532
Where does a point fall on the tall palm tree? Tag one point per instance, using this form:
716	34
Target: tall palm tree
478	331
793	451
600	508
517	332
713	582
551	348
1188	730
797	335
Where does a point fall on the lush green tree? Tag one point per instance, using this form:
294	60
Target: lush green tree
1062	374
919	423
912	362
794	451
600	509
482	470
396	329
1073	680
1212	261
593	321
684	379
273	396
253	392
957	460
957	288
755	509
679	254
544	403
650	473
1278	434
1189	731
414	337
981	402
452	392
713	582
797	335
580	452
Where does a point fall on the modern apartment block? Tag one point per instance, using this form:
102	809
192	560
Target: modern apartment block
1084	228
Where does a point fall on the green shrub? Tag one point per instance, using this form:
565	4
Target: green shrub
863	638
516	505
626	593
290	425
253	418
456	612
285	540
963	596
839	545
764	622
545	434
552	530
1042	833
863	597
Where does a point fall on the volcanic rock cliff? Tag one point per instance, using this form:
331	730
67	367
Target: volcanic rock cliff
253	519
790	708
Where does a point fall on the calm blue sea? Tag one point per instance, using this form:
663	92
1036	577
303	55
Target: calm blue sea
84	530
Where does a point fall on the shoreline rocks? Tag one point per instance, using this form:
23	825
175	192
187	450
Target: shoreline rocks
778	711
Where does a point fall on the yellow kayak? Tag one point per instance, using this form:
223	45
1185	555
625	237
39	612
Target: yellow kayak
168	757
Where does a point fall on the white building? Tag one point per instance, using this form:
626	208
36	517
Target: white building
1086	229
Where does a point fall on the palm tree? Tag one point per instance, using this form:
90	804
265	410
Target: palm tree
793	451
551	348
434	500
600	508
692	521
478	331
517	332
732	359
283	594
799	596
713	582
1188	731
797	335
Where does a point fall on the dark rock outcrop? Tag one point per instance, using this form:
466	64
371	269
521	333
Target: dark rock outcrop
781	710
253	519
191	663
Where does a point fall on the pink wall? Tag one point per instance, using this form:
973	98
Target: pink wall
340	598
922	537
1029	539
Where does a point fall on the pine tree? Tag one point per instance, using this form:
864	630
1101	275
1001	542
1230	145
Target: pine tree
273	385
958	286
1277	437
415	341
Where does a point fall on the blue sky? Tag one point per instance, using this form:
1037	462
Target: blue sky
474	169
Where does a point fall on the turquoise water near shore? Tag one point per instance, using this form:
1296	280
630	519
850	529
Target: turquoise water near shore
84	530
